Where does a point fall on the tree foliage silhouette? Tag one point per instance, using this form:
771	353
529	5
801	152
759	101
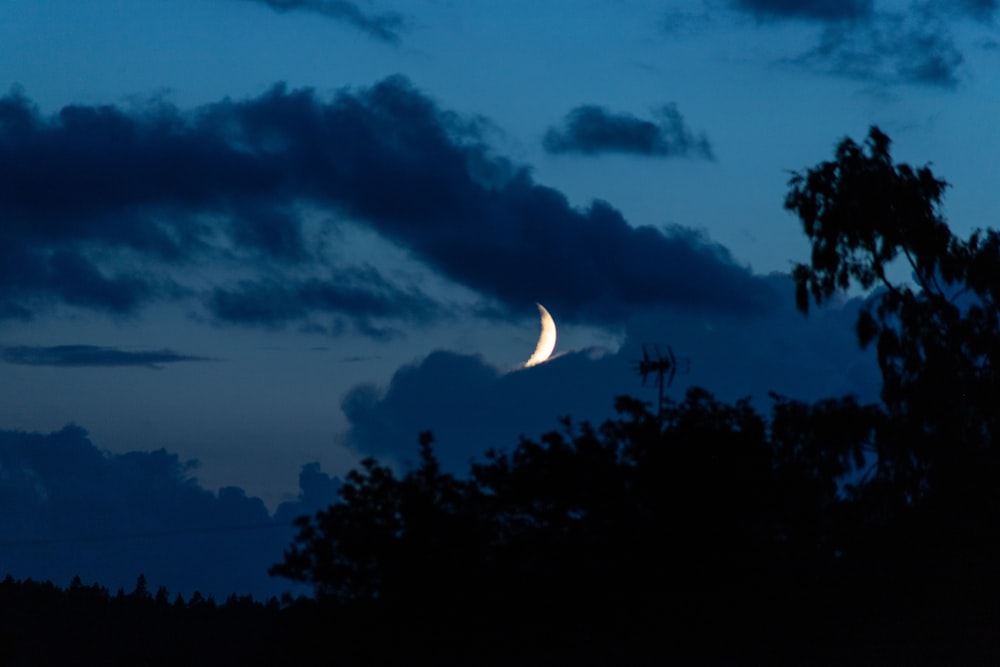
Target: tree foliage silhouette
937	338
705	532
689	517
597	534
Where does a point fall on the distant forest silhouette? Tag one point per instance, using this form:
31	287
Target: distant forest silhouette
696	531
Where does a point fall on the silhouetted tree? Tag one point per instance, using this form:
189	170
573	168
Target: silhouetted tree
707	524
162	597
41	624
141	592
937	337
588	536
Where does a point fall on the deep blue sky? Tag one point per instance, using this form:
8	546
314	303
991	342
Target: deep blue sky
261	234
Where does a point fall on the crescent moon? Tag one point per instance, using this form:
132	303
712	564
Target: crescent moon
546	341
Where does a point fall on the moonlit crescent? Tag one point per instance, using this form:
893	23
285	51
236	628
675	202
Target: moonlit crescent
546	341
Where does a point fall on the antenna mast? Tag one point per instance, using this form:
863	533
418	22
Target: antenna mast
663	366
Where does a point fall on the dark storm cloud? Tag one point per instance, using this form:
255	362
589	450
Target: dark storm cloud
893	48
825	10
591	130
471	406
79	356
384	26
68	508
103	207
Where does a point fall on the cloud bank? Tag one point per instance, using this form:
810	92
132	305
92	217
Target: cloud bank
71	509
591	130
112	209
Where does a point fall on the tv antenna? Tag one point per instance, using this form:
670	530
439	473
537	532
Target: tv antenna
663	366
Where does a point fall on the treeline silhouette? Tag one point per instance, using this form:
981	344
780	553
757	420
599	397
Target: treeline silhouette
696	531
42	624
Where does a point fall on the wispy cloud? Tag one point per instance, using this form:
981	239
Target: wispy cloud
78	356
823	10
981	10
383	26
590	130
683	22
909	44
892	48
366	294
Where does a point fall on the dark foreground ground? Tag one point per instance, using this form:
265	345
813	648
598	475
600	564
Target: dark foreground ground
847	621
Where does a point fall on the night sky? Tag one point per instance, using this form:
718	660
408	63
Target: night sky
246	243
